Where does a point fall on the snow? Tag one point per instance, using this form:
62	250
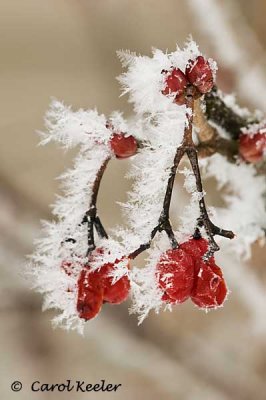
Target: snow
143	80
230	101
243	191
255	128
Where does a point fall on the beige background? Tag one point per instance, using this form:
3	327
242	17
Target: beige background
66	49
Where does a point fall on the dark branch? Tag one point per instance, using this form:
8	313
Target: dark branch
218	112
164	224
91	218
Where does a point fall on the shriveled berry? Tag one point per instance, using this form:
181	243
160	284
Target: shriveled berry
252	146
209	290
199	74
123	146
90	294
175	82
175	274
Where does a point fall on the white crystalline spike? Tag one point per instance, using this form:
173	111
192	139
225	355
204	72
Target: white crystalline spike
240	215
71	128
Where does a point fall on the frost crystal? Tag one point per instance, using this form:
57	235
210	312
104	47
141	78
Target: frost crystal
243	192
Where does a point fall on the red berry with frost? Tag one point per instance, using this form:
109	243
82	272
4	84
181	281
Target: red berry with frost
209	290
175	275
252	146
200	74
117	292
167	299
123	146
175	82
197	248
90	294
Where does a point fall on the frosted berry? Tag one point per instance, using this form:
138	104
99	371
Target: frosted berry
167	299
209	290
123	146
197	248
175	82
112	293
175	275
252	147
118	292
199	74
90	294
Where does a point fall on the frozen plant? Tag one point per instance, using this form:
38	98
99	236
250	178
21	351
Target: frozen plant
180	115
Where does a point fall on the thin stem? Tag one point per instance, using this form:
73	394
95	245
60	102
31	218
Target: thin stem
96	184
164	224
169	189
91	216
99	228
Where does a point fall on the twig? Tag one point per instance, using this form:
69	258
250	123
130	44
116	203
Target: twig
91	218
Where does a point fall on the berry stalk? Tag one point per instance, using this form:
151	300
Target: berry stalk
91	217
187	147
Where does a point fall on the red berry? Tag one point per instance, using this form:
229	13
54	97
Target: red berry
197	248
118	292
209	290
123	146
112	293
167	299
252	147
175	82
200	74
175	274
90	294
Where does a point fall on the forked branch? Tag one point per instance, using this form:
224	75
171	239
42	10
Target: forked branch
187	147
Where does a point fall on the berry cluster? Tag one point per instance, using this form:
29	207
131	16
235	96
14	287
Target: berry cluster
183	272
198	73
95	287
252	147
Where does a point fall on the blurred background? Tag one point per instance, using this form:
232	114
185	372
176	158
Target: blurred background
67	49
